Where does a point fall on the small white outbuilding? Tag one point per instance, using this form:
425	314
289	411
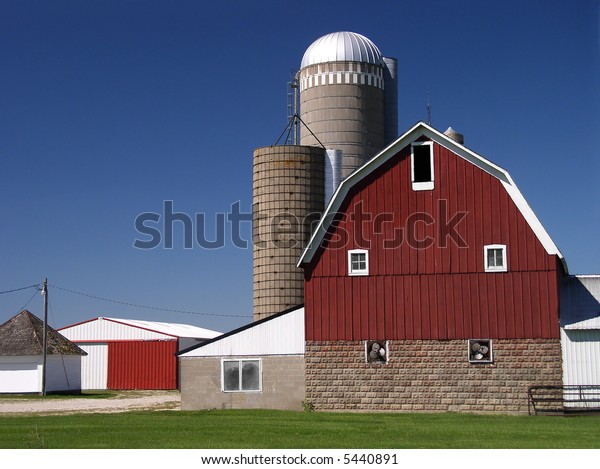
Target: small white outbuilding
259	365
21	357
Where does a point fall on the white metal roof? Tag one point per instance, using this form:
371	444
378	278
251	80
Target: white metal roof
342	46
580	302
588	324
418	130
281	334
103	328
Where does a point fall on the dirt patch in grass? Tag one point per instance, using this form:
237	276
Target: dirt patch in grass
116	401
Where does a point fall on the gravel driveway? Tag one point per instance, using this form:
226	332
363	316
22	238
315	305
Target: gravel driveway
123	401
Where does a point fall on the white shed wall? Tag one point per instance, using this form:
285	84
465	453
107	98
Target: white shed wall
581	356
63	373
24	374
20	374
283	335
94	366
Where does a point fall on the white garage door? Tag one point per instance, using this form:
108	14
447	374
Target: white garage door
94	366
581	356
19	377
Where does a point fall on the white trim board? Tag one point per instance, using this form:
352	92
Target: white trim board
419	130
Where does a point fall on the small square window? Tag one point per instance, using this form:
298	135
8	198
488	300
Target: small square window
421	157
495	258
241	375
358	262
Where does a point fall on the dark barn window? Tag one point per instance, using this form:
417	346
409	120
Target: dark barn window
422	163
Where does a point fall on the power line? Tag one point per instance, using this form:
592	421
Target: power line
28	301
145	306
37	285
22	308
62	357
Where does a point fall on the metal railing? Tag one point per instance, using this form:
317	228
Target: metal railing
561	400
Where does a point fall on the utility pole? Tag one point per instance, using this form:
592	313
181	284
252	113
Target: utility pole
45	338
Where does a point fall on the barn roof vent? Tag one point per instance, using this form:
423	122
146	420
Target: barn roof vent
454	135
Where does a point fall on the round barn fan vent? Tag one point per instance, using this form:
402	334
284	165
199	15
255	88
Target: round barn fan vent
480	350
376	351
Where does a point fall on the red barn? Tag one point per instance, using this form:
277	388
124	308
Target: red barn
430	284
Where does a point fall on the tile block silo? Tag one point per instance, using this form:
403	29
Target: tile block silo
287	200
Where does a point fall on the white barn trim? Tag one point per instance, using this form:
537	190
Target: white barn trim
418	130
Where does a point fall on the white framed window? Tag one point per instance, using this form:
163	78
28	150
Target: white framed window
421	164
243	375
495	258
358	262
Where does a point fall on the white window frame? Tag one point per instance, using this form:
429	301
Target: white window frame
493	268
421	186
352	271
240	364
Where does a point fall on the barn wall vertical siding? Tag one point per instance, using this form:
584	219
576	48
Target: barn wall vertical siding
437	291
142	365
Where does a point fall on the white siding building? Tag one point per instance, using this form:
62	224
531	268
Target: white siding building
580	330
260	365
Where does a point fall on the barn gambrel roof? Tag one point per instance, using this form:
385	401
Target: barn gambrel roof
423	130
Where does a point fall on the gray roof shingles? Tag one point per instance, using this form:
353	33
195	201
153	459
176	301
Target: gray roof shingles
23	335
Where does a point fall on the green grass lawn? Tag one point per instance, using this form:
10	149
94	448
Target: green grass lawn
262	429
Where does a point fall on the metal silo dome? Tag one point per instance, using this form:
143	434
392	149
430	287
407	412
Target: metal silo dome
342	97
342	46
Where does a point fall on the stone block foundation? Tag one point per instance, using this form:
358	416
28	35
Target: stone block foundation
429	375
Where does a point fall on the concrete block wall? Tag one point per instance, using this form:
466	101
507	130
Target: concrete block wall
429	376
283	385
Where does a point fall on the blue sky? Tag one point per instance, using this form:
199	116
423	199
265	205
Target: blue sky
109	108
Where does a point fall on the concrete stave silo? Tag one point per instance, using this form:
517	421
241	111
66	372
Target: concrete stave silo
288	197
349	111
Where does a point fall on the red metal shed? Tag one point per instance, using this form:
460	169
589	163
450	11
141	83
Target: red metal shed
131	353
149	364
